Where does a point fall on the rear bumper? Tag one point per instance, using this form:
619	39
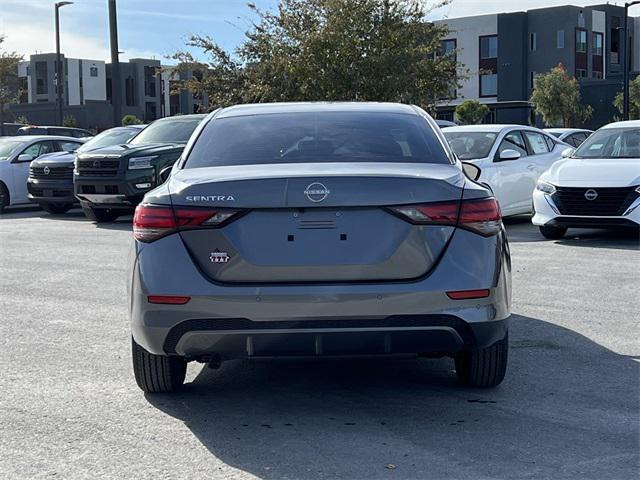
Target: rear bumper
547	214
408	334
321	319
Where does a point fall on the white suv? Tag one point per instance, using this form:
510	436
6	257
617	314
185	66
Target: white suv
597	185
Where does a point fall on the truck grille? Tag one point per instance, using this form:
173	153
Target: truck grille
51	173
609	201
98	168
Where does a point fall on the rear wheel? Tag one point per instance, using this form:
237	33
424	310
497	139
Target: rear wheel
157	373
101	215
4	197
483	367
56	208
553	233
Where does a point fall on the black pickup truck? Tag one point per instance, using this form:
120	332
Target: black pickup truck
111	181
50	182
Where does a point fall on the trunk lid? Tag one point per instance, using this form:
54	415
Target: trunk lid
316	222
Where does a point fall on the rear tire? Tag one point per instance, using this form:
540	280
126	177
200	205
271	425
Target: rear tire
553	233
56	208
4	197
101	215
157	373
483	367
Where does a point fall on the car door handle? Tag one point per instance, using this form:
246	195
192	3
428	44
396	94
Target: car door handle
531	167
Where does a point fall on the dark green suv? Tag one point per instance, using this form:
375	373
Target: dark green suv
110	182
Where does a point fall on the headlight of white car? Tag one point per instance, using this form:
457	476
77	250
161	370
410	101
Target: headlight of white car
141	162
546	187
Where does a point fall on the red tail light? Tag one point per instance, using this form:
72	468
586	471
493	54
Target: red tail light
151	222
168	299
481	216
468	294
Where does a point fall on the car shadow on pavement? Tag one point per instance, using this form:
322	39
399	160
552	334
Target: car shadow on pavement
568	408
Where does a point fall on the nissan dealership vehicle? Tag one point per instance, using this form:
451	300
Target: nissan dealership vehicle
598	185
510	157
110	182
50	182
318	229
571	136
16	154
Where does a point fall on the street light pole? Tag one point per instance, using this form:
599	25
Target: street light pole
627	61
59	72
115	64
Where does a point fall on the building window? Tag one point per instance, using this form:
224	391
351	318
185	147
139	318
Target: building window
129	92
597	47
616	40
533	42
581	40
581	73
489	47
41	78
596	75
489	85
448	47
560	38
533	80
93	71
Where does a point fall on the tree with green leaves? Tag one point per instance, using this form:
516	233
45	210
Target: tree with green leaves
130	120
9	88
634	99
378	50
557	98
69	121
471	112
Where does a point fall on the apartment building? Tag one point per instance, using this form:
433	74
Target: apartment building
505	52
87	88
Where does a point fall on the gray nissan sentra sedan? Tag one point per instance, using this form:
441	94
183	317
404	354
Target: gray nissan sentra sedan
318	229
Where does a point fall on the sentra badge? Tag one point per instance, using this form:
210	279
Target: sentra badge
209	198
219	257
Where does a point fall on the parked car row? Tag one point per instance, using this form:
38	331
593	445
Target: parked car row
108	175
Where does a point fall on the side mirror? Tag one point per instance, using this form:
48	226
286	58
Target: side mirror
472	171
568	152
165	173
509	154
24	157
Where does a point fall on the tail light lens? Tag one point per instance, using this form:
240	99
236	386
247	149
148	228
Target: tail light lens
151	222
480	216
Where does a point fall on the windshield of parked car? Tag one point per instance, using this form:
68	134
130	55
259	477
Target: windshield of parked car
470	145
113	136
173	130
8	147
611	143
316	137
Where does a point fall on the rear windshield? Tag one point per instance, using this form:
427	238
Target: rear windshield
316	137
470	145
174	130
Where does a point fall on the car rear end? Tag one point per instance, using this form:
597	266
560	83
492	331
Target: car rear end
400	254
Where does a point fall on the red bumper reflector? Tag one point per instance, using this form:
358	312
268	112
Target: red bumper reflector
168	299
467	294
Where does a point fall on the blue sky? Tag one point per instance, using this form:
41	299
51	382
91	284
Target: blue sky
156	28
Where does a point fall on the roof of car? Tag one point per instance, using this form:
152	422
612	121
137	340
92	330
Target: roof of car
35	138
55	126
625	124
303	107
182	117
566	130
483	128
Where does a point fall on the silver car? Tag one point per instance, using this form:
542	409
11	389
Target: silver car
318	229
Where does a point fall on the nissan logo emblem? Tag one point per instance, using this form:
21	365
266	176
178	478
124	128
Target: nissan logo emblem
316	192
96	164
591	194
46	170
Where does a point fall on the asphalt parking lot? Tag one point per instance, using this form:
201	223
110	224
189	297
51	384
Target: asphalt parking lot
568	408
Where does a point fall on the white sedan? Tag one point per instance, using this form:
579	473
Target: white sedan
16	153
572	136
597	185
510	159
